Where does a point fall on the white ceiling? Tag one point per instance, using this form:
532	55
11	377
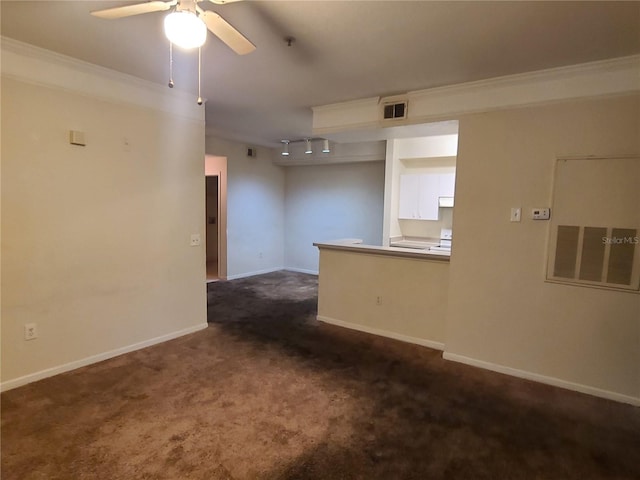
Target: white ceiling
344	50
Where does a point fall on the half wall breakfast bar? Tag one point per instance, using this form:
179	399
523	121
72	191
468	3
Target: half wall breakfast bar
394	292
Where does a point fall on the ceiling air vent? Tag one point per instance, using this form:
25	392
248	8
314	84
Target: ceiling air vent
394	111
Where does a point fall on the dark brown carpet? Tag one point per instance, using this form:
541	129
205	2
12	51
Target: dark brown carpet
266	392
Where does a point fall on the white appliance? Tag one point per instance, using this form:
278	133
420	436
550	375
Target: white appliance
446	235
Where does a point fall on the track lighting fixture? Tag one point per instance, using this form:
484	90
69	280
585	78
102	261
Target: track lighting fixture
308	149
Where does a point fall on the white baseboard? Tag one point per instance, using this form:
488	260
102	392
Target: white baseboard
254	273
383	333
50	372
556	382
301	270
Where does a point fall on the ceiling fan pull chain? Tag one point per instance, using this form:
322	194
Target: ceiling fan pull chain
199	74
170	65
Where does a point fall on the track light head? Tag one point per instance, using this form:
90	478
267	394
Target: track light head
285	147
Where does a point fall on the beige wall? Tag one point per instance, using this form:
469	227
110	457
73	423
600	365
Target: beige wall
95	239
501	312
413	295
255	209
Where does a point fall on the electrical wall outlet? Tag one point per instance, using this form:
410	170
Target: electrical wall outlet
379	300
195	240
30	331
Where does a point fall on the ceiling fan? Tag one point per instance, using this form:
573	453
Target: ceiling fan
187	25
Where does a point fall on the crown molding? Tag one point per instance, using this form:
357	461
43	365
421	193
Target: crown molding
337	117
616	76
361	102
35	65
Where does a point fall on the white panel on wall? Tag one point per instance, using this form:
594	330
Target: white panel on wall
330	202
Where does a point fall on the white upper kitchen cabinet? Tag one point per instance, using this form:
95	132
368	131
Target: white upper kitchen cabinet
409	197
419	194
428	198
447	184
419	197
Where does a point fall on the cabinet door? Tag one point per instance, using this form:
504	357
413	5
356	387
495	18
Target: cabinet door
447	184
428	198
409	197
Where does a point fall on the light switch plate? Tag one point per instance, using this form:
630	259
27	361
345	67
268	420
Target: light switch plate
30	331
516	214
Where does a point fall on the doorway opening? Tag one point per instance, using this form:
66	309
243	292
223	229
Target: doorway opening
212	190
216	217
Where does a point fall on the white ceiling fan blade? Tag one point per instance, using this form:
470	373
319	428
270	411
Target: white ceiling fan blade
225	32
137	9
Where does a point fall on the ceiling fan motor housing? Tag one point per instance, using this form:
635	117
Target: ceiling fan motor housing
204	20
186	6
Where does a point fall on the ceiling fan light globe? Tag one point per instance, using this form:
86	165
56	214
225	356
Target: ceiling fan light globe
185	29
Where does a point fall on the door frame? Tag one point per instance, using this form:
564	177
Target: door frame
217	166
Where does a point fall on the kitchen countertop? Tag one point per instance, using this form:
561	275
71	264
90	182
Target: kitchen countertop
356	245
414	243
